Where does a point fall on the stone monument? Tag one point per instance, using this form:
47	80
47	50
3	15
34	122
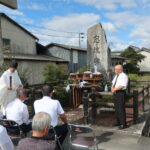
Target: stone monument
98	52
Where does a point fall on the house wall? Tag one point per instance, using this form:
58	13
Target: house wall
10	3
34	70
145	64
60	52
82	58
77	59
21	42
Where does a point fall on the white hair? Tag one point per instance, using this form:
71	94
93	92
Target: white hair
40	121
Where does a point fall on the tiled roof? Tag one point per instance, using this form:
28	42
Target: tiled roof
69	47
33	57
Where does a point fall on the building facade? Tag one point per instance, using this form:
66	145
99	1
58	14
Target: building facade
19	44
17	38
145	63
74	55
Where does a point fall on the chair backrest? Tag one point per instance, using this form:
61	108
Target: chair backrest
11	126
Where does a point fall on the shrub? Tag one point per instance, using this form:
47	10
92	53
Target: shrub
24	75
134	77
61	95
53	72
83	69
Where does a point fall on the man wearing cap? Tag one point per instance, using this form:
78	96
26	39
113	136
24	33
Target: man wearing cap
9	83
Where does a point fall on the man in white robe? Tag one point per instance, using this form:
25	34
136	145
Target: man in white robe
9	83
5	141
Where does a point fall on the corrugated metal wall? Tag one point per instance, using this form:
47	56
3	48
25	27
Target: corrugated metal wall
77	59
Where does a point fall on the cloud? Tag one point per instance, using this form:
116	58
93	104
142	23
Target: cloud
109	4
36	6
72	22
109	27
26	20
117	44
137	25
72	25
10	11
124	18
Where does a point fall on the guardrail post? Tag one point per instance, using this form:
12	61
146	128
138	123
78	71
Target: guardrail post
143	100
135	106
148	93
94	111
32	101
129	86
85	106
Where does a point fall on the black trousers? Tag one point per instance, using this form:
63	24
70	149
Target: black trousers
61	131
119	102
26	128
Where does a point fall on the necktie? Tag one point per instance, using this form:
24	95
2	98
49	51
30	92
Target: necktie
116	81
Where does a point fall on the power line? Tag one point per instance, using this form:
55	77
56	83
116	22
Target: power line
48	28
55	35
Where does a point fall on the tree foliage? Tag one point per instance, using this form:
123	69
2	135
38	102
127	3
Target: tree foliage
133	59
53	72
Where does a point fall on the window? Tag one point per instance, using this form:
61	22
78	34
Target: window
6	45
6	42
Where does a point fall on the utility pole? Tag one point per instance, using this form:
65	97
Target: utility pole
81	36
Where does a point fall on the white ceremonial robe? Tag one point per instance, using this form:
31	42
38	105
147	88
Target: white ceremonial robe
6	95
5	141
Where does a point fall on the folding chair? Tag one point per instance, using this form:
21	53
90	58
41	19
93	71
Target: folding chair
82	137
13	129
54	137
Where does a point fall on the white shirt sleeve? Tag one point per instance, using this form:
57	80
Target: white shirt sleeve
59	108
124	81
25	115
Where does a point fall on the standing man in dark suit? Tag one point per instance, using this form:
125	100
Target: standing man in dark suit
119	85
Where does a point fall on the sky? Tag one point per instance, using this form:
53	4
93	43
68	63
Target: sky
126	22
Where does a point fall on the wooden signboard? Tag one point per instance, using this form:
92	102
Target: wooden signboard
9	3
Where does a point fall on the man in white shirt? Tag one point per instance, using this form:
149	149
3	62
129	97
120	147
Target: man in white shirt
54	109
5	141
119	85
18	111
9	83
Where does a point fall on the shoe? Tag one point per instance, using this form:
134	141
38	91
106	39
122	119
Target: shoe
122	127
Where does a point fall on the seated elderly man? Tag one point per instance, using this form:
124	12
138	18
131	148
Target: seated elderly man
40	127
54	109
5	141
18	111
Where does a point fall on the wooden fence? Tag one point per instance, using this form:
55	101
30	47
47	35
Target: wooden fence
139	97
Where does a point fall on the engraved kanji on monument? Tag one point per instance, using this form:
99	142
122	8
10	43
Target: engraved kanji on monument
98	52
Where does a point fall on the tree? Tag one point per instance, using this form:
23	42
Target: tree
133	59
53	72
